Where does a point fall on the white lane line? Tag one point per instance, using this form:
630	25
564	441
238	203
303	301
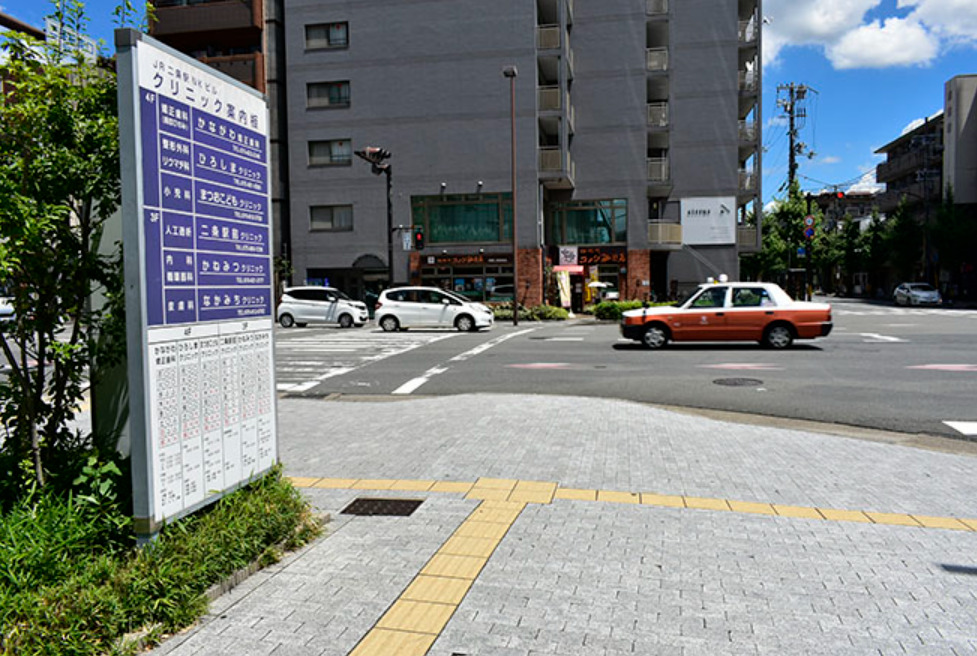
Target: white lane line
562	339
965	427
945	367
875	337
414	383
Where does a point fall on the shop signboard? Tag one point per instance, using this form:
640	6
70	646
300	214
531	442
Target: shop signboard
591	255
708	221
199	284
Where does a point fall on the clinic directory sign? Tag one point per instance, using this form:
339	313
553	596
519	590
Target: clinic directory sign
198	247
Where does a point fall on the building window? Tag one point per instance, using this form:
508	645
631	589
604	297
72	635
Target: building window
328	94
588	222
464	218
331	218
337	152
326	35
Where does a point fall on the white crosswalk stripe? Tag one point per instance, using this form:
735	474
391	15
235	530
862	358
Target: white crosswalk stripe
305	360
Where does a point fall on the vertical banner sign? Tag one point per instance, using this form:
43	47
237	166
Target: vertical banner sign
198	250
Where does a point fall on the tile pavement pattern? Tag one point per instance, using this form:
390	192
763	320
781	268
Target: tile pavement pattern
579	577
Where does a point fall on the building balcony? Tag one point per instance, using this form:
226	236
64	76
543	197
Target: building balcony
249	68
748	81
747	131
920	194
548	37
747	30
747	180
658	169
658	115
747	239
556	168
548	99
664	236
175	17
900	166
657	59
656	7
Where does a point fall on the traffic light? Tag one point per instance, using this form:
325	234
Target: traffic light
840	195
418	233
373	154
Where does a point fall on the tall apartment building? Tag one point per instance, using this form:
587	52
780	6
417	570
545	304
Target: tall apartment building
637	141
242	39
960	137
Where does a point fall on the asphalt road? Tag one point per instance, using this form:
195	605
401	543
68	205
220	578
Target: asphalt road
907	370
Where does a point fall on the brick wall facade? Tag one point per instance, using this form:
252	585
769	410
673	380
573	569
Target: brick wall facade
639	271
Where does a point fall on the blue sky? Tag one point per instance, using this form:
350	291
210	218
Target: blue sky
877	65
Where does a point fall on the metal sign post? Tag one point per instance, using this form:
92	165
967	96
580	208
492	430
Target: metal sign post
199	280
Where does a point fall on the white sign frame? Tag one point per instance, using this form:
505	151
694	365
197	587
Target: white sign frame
197	235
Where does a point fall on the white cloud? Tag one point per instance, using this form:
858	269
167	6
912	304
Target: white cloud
839	28
867	183
955	20
893	42
829	159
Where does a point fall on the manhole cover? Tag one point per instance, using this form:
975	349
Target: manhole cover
738	382
386	507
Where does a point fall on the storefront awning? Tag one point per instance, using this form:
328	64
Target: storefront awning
571	268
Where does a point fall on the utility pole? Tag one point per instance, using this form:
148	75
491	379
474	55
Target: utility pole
792	103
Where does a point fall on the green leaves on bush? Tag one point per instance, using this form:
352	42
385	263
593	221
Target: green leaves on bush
64	589
538	313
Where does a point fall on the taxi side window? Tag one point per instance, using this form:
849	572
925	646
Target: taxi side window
711	298
751	297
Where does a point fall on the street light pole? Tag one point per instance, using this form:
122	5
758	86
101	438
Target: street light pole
376	156
511	72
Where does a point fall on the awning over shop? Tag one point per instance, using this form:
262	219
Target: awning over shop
569	268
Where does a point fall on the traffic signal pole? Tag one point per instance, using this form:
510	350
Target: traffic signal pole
390	229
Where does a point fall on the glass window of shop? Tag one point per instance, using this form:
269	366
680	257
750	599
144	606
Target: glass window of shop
489	282
588	222
464	218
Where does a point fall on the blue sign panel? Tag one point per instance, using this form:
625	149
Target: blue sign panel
206	211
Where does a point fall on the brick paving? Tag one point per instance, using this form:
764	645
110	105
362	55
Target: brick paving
599	577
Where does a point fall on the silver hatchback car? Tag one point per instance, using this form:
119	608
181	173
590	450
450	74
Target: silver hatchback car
429	307
916	293
303	305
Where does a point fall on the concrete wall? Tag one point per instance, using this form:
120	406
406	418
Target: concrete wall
425	83
960	140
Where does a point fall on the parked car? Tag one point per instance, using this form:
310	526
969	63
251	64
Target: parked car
410	307
303	305
736	311
916	293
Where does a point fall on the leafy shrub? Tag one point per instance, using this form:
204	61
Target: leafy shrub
538	313
611	310
68	591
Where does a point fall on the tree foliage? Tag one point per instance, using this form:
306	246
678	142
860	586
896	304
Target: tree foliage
59	183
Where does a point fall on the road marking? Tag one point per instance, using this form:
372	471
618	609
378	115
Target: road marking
945	367
965	427
540	365
875	337
414	383
746	366
561	339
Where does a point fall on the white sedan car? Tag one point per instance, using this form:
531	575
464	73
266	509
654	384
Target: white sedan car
916	293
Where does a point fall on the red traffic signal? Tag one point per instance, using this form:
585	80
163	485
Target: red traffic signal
373	154
418	238
840	195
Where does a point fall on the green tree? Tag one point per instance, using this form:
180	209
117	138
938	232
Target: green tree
954	235
59	183
904	239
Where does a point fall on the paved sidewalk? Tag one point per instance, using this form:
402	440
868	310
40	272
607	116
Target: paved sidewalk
554	525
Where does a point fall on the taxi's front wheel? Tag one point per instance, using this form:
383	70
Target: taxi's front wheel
655	337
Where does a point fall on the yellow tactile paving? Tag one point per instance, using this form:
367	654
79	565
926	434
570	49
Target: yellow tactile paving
670	500
897	519
437	589
618	497
451	486
488	493
383	642
970	523
497	483
335	483
845	515
302	481
706	503
412	486
477	529
799	512
941	522
458	567
417	616
749	507
575	494
460	545
373	484
533	492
